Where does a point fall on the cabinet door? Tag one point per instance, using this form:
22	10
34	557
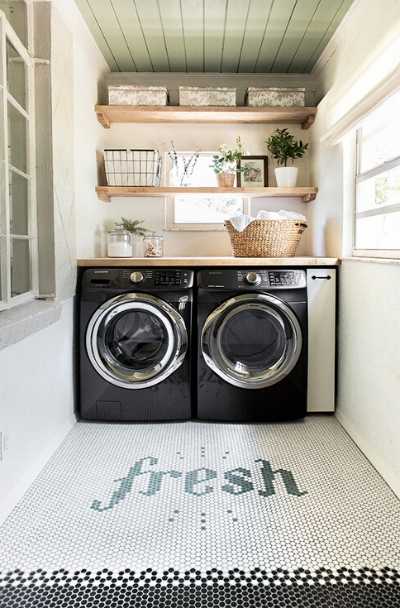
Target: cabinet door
321	287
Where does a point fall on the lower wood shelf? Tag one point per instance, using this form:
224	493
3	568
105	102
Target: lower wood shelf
105	193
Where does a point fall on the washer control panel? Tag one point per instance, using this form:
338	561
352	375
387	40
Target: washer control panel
141	279
253	279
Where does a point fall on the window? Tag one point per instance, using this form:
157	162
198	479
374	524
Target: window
200	212
377	213
17	189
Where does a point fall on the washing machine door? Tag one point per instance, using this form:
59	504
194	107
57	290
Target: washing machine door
136	340
252	341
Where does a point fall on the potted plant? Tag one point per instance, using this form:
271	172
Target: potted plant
225	164
284	148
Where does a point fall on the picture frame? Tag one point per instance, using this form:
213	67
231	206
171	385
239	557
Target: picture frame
257	174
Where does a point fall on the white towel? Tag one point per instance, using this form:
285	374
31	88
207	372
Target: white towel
241	221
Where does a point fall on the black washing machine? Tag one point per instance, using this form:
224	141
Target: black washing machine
134	334
252	344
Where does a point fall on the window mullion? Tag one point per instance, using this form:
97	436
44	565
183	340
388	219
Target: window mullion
6	257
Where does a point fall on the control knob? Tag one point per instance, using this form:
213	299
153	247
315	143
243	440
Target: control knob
253	278
136	277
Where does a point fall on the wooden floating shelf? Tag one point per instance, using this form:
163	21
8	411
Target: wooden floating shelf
105	193
107	115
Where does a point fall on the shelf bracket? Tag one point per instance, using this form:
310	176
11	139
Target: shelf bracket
103	120
308	121
307	198
102	195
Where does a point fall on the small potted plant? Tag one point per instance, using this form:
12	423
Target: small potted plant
135	229
225	164
285	148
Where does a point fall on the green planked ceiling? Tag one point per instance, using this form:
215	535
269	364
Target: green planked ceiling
213	35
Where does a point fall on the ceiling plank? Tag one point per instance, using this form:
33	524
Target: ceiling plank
193	26
110	26
214	24
170	13
303	14
98	34
257	22
278	22
133	34
329	33
150	22
236	22
316	31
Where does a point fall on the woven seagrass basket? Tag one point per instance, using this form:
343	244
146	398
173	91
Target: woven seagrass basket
266	238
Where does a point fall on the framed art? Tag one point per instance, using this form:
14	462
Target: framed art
253	172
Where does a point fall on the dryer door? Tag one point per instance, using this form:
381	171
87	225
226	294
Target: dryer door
136	340
252	341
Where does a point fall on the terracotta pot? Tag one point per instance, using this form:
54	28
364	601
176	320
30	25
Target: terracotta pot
226	180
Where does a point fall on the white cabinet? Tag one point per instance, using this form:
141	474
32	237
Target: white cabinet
321	287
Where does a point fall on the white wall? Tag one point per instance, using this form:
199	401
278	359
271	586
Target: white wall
369	362
89	69
36	388
369	304
190	137
36	397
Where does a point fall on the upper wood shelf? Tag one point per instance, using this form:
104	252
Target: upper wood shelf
106	115
105	193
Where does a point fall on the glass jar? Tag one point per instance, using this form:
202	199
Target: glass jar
153	246
119	243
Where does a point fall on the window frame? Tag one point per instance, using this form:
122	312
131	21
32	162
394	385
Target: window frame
359	178
7	33
169	204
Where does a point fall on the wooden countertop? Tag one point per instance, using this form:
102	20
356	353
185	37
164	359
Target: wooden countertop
197	262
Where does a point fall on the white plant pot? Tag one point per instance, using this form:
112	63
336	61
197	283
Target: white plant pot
286	177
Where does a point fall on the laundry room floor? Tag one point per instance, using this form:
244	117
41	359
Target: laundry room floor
194	514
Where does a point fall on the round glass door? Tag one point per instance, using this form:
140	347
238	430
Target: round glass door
252	341
136	340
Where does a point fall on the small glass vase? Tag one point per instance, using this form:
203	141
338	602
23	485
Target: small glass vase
153	246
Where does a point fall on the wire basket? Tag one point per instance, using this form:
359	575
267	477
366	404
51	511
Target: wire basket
132	167
266	238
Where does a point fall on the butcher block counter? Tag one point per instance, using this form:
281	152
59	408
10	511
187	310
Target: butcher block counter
198	262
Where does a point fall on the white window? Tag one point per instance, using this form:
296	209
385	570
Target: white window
377	210
200	211
18	273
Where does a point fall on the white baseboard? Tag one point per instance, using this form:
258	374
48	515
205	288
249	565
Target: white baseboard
368	449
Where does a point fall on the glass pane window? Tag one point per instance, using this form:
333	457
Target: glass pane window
379	191
206	210
17	139
20	267
18	274
378	232
16	75
19	203
377	209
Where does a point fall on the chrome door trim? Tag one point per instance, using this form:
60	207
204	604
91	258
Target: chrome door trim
211	334
114	372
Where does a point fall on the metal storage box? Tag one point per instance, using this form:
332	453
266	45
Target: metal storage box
132	167
133	95
207	96
275	96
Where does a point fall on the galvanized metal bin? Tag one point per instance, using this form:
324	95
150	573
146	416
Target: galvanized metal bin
133	95
275	96
207	96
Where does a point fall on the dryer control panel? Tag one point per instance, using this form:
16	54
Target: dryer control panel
253	279
140	279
